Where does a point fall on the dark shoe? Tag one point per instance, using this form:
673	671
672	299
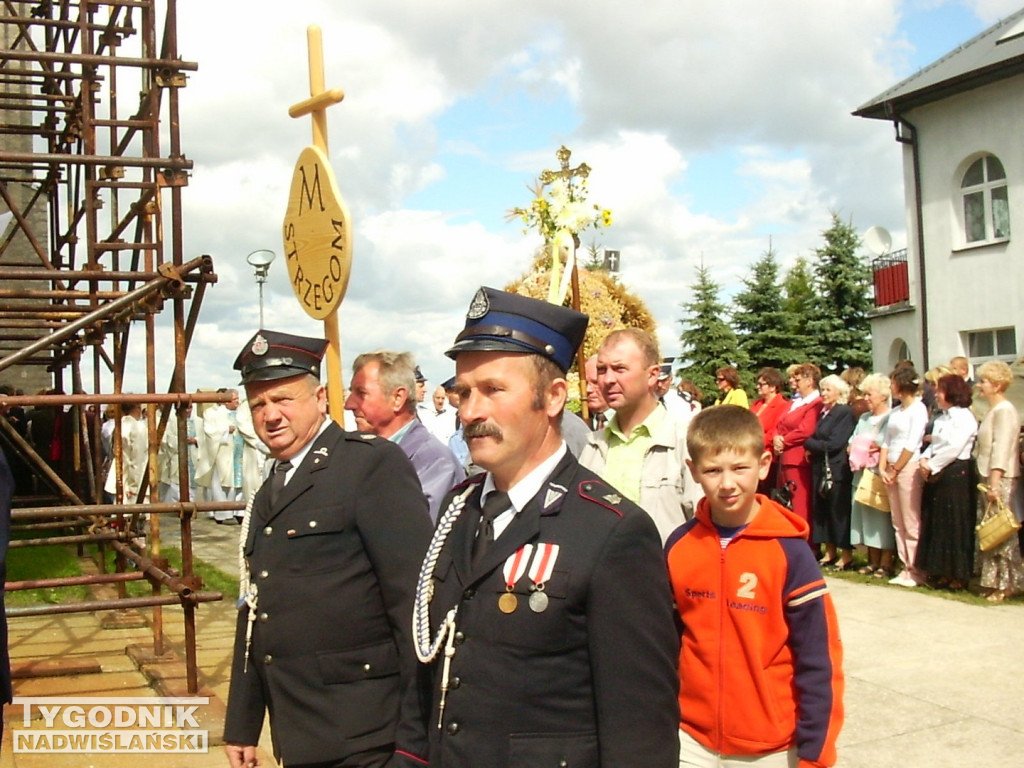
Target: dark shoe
867	570
827	562
883	573
850	566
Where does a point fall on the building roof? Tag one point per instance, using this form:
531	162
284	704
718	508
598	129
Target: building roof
995	54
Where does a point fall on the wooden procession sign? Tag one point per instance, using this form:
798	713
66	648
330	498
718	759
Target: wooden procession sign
317	226
317	236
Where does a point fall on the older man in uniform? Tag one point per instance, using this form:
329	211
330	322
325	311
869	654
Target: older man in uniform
333	546
543	608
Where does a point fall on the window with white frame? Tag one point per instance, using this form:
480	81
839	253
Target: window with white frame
992	343
986	205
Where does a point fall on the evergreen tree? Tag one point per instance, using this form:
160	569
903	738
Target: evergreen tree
707	340
764	327
800	305
594	259
843	279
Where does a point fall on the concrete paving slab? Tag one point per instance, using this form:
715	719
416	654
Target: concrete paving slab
923	679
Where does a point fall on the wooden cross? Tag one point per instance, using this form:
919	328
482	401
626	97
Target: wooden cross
319	98
316	105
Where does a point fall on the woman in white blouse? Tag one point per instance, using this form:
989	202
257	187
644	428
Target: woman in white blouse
999	467
898	466
946	551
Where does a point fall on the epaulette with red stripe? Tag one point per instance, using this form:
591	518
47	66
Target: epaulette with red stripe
601	494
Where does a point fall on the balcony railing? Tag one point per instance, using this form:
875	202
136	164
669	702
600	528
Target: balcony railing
892	283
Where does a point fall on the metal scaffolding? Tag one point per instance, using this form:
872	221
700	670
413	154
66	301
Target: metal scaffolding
92	173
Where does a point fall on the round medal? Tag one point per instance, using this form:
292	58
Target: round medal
507	603
538	602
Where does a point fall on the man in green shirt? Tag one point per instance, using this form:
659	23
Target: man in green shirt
642	451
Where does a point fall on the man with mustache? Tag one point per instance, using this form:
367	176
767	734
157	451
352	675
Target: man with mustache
542	611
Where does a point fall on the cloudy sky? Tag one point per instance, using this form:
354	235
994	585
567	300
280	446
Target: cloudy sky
711	129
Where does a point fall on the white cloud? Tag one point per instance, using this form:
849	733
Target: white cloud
660	93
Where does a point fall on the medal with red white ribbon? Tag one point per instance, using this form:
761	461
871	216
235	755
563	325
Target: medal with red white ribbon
515	567
541	568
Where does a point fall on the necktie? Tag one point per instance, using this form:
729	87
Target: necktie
277	481
496	503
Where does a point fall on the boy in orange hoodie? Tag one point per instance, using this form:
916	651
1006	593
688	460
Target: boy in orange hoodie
760	665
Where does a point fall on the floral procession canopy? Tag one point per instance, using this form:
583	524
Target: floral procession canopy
559	212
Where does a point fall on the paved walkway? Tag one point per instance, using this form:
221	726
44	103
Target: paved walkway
930	682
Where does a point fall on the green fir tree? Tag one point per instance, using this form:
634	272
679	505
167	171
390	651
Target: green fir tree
764	326
800	304
843	280
707	341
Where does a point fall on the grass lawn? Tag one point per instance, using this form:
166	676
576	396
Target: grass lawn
43	563
61	561
972	596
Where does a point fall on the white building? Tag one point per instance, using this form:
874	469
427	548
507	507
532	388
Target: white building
958	289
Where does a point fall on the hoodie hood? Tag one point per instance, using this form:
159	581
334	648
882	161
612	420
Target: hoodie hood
771	521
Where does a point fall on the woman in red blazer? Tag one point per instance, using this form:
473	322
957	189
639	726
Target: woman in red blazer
792	430
768	408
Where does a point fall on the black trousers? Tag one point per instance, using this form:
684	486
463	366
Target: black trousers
379	757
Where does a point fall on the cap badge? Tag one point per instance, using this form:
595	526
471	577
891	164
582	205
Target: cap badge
259	345
479	306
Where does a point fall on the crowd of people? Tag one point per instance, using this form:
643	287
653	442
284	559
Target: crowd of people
899	465
543	536
479	578
546	628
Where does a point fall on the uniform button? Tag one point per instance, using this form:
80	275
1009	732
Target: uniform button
264	574
563	763
367	667
469	594
268	659
312	523
452	729
267	531
264	616
460	638
454	683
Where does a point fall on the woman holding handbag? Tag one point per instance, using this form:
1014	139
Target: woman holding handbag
830	474
946	551
999	467
872	525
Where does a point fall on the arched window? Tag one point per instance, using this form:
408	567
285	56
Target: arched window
986	205
898	351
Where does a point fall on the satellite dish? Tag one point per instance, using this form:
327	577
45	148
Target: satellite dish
878	240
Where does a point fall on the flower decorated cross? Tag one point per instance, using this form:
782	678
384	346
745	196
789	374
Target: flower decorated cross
559	212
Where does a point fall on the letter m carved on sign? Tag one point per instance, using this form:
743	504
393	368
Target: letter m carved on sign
311	194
